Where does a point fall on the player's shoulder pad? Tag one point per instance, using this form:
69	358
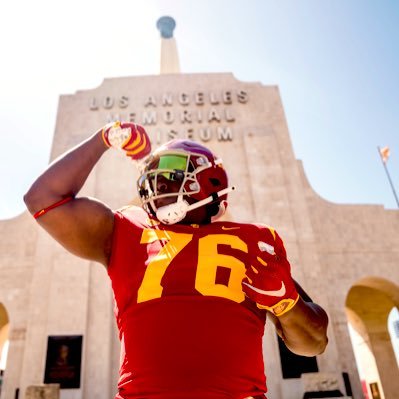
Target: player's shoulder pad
129	208
132	212
272	233
267	229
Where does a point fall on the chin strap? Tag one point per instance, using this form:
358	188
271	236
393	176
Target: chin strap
221	211
174	213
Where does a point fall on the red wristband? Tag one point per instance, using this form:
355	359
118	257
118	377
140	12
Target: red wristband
49	208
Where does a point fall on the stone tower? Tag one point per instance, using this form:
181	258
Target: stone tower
169	55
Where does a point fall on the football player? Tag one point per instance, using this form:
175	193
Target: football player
192	293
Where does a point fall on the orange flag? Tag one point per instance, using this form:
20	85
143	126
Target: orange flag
384	152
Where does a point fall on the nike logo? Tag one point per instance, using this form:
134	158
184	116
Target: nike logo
280	292
229	228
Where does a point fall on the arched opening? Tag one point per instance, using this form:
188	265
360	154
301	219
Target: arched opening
393	328
4	330
368	306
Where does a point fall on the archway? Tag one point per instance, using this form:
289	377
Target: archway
393	328
4	329
368	305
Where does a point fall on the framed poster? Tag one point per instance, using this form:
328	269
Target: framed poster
63	360
375	390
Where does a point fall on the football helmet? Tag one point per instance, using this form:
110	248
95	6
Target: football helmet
180	176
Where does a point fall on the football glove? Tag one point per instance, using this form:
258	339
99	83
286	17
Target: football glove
129	137
268	280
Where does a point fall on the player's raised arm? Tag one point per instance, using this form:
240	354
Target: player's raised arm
82	225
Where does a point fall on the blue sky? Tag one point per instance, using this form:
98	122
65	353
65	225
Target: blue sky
336	64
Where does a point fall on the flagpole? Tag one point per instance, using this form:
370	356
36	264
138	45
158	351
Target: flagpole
389	177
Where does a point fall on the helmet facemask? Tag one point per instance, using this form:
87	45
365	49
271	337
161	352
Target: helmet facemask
174	168
183	175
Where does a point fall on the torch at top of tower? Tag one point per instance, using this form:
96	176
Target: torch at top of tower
166	25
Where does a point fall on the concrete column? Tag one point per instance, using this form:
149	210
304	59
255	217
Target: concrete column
386	363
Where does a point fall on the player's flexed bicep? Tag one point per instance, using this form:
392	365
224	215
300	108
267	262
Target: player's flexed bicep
83	226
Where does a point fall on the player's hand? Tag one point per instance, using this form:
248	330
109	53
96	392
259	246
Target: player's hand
129	137
268	281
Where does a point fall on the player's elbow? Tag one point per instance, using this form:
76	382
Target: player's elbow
318	339
320	345
315	329
35	198
311	347
305	328
31	199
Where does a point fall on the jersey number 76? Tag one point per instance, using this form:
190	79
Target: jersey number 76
208	261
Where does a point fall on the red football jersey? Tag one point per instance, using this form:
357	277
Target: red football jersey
186	328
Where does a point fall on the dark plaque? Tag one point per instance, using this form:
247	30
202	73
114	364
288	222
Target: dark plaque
375	390
63	361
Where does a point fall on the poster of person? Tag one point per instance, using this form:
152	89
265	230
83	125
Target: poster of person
63	361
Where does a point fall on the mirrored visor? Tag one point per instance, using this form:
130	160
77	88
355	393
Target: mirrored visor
167	167
169	162
172	161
